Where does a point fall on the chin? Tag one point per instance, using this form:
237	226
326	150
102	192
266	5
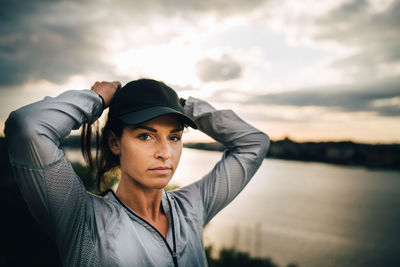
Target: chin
160	185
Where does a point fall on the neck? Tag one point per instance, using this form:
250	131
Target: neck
145	202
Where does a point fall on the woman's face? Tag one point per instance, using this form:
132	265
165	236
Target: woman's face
150	152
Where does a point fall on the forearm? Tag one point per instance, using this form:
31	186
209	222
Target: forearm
34	131
53	192
247	148
227	128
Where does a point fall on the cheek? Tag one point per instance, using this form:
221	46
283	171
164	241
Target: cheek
177	154
133	155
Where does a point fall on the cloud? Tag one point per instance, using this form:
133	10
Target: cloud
53	40
361	35
47	41
380	97
373	33
218	70
220	8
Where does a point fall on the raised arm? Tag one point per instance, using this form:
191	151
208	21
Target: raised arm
46	180
246	149
53	192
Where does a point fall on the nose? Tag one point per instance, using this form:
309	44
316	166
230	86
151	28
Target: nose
163	150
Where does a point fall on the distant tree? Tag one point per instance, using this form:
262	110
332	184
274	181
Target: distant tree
233	258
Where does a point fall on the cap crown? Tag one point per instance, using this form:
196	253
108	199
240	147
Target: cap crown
143	94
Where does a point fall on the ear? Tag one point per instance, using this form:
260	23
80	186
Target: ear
114	143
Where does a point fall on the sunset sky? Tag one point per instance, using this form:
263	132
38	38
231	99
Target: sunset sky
309	70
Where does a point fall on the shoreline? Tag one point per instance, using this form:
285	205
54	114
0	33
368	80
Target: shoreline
379	156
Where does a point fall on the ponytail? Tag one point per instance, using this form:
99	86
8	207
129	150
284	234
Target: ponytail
104	159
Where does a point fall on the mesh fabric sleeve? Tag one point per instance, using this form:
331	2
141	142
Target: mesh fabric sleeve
246	149
55	195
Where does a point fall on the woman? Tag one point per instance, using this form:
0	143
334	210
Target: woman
140	224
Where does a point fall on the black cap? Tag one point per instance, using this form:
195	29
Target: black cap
145	99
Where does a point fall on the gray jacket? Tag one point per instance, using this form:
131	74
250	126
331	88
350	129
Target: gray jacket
92	230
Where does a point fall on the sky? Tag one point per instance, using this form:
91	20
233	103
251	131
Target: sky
308	70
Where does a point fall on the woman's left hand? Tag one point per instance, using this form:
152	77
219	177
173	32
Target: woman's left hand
106	90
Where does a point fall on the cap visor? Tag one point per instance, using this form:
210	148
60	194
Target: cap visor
143	115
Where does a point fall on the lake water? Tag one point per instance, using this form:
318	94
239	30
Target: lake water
312	214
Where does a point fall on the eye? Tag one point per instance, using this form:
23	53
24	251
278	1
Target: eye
144	136
175	138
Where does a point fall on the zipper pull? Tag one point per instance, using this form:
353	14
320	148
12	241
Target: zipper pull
175	258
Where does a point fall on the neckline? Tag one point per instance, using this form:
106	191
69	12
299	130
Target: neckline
168	212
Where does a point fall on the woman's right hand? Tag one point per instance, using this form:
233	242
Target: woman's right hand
106	90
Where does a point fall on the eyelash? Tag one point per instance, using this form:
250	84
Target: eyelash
146	136
178	138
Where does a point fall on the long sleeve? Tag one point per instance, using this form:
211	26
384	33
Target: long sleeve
53	192
246	149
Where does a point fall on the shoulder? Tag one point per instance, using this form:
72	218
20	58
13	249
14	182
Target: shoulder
188	199
103	209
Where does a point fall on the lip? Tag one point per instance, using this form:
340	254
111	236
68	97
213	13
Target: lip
161	170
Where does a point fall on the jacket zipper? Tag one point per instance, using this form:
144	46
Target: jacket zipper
172	252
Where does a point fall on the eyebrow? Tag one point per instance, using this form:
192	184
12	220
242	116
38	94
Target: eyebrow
154	130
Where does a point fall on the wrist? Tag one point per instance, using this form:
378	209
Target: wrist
103	104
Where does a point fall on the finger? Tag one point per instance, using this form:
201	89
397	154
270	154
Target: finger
96	84
117	84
